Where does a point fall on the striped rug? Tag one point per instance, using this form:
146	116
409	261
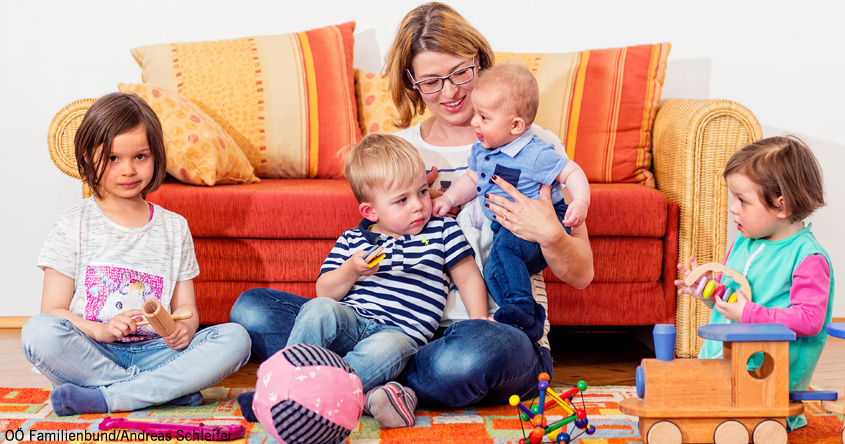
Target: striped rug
29	411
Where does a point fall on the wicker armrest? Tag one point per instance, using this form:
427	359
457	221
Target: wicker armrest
693	140
60	138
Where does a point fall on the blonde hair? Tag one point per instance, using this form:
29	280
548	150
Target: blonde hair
782	166
381	161
515	85
433	27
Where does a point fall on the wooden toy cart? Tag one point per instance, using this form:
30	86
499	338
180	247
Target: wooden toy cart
719	400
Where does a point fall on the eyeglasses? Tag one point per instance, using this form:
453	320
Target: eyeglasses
435	84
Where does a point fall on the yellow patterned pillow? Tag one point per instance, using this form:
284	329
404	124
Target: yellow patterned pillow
375	109
199	152
287	100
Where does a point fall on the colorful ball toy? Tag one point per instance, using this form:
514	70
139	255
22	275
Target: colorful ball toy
307	394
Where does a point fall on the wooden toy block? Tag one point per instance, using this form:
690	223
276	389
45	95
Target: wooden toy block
163	322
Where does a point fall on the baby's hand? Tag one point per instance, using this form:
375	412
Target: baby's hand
357	264
118	327
441	206
575	214
732	311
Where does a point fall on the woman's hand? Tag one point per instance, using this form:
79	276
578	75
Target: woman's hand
533	220
118	327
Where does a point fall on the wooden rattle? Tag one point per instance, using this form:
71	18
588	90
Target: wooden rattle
159	318
716	267
374	256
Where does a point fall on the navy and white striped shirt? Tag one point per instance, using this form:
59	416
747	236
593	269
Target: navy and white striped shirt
409	289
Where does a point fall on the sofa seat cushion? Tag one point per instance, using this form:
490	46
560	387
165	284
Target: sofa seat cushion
325	208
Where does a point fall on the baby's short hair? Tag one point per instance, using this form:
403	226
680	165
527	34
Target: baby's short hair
515	85
782	166
381	161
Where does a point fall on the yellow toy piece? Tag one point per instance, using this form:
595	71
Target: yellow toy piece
709	289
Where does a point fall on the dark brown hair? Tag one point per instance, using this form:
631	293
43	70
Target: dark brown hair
110	116
431	27
782	166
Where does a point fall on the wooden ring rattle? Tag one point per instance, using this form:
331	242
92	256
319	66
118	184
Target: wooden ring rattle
716	267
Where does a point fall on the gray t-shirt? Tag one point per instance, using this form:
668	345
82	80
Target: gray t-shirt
116	268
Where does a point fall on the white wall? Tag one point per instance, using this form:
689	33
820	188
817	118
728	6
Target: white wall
782	60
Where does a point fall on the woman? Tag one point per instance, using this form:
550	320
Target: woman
433	64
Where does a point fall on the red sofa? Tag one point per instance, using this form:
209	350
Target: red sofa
276	233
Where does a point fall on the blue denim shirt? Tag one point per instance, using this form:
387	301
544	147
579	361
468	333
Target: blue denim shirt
525	163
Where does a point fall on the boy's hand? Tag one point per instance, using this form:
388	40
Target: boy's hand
441	206
358	266
576	213
732	311
118	327
181	336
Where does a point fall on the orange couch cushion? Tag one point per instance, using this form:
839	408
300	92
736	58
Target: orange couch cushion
323	209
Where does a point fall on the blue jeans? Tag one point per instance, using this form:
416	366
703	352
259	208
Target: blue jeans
133	375
510	264
376	351
471	362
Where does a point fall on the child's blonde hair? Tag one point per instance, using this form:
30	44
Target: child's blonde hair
515	85
381	161
110	116
782	166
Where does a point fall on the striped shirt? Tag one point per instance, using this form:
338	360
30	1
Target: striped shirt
409	289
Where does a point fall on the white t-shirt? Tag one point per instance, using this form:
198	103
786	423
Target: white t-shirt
116	268
451	163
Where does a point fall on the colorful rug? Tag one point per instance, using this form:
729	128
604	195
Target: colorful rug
26	416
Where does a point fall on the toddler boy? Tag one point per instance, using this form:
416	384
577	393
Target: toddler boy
505	100
378	315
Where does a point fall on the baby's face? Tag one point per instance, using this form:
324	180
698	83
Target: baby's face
493	120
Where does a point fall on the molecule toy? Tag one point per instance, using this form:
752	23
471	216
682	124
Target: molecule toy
536	415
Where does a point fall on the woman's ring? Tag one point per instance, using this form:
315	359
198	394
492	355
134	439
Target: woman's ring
506	216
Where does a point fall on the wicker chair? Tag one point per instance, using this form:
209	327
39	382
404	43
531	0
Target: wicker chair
692	141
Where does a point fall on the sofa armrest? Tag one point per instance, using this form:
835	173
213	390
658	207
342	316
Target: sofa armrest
60	138
693	140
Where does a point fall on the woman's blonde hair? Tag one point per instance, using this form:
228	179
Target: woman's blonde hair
379	162
431	27
782	166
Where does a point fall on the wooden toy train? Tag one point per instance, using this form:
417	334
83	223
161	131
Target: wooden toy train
719	400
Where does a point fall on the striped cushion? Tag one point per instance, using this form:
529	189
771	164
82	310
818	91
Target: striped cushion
601	103
375	109
287	100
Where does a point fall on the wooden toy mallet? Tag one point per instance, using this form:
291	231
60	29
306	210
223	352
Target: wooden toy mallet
159	318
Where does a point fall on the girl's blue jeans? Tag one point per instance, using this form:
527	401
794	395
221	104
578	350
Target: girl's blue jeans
133	375
470	362
376	351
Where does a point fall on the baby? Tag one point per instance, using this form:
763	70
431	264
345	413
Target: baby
505	100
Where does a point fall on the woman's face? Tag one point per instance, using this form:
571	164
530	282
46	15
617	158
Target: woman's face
451	105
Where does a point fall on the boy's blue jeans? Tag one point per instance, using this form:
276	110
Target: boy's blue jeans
377	352
133	375
510	264
470	362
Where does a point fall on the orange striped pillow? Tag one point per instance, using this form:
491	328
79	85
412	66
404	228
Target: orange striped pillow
601	103
287	100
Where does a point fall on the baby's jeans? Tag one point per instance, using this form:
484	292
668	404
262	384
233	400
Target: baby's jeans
511	263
